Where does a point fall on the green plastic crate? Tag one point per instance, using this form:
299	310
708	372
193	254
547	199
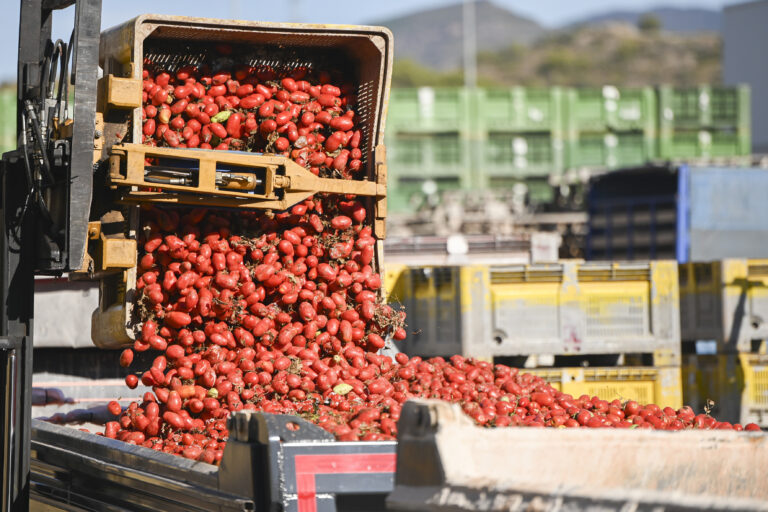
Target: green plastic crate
610	108
703	107
520	154
415	158
717	143
609	149
539	189
427	154
7	119
520	109
406	193
430	109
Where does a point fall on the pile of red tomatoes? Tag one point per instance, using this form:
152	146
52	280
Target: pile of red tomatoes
283	313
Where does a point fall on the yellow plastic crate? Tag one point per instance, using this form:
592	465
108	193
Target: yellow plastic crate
661	386
755	368
726	301
737	384
565	308
393	282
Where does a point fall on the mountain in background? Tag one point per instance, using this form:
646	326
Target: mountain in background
663	45
433	38
672	19
614	53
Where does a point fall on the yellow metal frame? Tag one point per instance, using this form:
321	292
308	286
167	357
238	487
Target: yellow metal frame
285	182
127	168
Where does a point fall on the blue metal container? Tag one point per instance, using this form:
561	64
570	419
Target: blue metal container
689	213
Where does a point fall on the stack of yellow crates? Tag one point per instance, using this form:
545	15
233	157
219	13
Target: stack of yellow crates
726	303
564	313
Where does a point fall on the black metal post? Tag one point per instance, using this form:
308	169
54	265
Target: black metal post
17	256
16	301
21	232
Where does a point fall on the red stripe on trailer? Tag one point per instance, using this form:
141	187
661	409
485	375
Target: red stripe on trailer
307	466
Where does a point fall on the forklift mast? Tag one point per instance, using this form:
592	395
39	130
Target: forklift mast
45	197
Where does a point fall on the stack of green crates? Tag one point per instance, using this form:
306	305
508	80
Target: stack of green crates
441	139
704	122
519	137
609	127
428	143
7	119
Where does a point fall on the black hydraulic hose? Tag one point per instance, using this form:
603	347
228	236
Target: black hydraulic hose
35	122
27	166
33	191
53	68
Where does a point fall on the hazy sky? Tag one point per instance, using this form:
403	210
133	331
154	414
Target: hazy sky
548	12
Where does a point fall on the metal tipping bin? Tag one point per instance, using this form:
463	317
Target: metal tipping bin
271	462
